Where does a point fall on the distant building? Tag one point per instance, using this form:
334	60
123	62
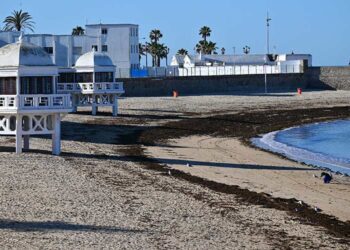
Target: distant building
189	61
118	41
91	82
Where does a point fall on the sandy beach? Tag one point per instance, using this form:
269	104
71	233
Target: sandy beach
111	187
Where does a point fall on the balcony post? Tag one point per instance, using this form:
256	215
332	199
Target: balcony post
56	136
115	105
75	102
26	142
18	134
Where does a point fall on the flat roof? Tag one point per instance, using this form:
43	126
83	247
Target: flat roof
111	25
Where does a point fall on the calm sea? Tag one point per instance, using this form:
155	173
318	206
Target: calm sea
325	144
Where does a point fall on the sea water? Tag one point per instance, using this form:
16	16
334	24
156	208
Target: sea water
325	144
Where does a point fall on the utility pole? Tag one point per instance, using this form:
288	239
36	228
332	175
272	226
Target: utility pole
268	19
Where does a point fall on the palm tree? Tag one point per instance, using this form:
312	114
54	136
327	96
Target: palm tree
223	50
78	31
211	48
158	52
201	47
205	32
19	21
182	52
155	35
246	49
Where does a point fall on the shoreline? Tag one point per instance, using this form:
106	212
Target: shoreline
272	145
208	125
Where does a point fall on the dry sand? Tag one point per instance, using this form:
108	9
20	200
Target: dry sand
92	197
228	161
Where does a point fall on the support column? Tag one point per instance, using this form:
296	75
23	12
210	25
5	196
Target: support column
56	136
94	109
75	100
26	142
18	134
115	105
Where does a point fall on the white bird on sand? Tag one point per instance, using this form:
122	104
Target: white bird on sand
188	165
169	172
300	202
315	176
317	209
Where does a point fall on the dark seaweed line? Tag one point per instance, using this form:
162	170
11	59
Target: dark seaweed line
245	129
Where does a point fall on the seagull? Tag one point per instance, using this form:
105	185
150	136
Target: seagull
169	172
300	202
188	165
316	209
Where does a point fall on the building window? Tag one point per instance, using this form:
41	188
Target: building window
104	31
104	48
131	32
95	47
49	50
8	85
104	77
77	50
36	85
84	77
137	32
66	78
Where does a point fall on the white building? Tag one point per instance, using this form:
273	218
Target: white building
29	104
91	82
118	41
212	65
189	61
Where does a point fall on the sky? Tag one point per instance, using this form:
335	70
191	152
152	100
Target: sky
317	27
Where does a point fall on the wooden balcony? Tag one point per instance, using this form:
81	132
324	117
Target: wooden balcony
35	103
91	88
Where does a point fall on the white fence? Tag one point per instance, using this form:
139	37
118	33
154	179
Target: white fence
172	71
37	102
238	70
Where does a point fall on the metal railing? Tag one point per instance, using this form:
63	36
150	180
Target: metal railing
37	102
105	87
218	70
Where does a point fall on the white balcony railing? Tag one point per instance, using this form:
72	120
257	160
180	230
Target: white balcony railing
35	102
105	87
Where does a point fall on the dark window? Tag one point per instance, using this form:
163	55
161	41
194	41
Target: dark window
66	78
77	50
94	47
104	76
49	50
7	85
36	85
104	48
84	77
104	31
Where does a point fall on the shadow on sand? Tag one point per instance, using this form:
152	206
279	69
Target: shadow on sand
31	226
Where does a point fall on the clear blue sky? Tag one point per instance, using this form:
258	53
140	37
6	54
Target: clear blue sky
318	27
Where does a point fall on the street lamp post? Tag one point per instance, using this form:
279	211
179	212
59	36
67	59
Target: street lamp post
146	50
268	19
234	60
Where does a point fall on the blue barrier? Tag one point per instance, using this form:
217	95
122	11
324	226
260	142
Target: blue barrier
139	73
